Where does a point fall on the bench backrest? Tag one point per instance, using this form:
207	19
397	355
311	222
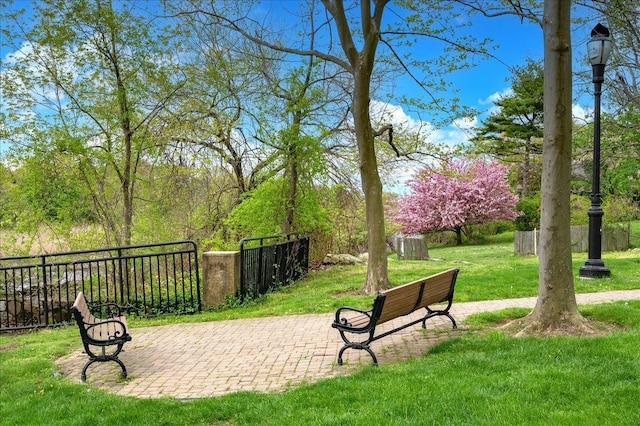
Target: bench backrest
81	310
404	299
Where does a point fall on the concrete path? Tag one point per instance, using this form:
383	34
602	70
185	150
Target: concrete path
272	354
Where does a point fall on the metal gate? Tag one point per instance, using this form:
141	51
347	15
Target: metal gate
147	280
264	267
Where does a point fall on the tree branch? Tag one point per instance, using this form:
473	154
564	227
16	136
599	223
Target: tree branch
389	128
234	26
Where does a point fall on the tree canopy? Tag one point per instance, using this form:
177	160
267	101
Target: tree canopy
455	195
514	133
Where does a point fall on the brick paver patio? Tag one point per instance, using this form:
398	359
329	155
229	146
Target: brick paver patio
271	354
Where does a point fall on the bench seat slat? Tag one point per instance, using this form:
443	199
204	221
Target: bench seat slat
403	300
358	320
108	330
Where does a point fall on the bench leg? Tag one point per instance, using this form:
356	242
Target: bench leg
124	370
435	313
357	346
83	376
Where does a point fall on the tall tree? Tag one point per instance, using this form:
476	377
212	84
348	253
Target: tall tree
294	119
221	81
96	77
556	307
238	93
514	133
359	64
359	29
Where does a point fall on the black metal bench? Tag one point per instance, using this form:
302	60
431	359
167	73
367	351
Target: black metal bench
96	333
394	303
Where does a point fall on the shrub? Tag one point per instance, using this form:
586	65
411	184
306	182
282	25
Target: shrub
530	208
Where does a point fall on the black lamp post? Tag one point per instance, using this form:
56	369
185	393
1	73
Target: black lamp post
598	48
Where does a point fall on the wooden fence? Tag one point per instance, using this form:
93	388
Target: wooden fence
411	247
614	238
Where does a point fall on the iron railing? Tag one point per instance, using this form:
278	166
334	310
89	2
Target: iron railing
264	267
146	280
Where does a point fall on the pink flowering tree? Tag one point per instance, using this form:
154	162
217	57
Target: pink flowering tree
454	196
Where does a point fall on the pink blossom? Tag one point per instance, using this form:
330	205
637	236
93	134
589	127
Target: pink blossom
459	193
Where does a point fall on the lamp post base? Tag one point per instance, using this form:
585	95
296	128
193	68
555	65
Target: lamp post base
594	268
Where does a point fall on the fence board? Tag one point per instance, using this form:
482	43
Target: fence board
614	238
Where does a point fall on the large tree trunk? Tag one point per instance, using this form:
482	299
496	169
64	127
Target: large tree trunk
362	68
360	65
556	309
126	176
377	274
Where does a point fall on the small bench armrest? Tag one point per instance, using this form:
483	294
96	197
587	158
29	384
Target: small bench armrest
110	329
348	318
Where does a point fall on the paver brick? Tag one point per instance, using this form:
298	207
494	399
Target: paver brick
200	360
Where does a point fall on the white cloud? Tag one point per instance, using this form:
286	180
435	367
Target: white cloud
493	98
457	133
466	123
581	115
450	136
386	113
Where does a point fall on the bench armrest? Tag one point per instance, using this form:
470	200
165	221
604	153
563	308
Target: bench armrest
107	330
352	319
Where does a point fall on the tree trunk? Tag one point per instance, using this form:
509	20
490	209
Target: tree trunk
556	308
292	171
458	231
361	68
377	268
125	114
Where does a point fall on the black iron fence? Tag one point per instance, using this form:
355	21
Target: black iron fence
146	280
269	262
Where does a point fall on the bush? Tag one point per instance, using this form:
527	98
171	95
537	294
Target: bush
618	210
530	208
579	206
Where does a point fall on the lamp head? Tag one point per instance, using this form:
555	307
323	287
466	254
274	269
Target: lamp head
599	46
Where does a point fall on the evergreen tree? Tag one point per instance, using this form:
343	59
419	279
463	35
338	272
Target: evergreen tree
514	133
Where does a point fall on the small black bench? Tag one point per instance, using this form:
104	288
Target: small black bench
394	303
101	334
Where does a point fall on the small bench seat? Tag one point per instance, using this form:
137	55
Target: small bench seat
394	303
111	333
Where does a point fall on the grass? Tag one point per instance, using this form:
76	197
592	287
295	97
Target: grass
482	377
487	272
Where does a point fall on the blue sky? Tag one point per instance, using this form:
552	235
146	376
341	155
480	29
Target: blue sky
518	40
478	86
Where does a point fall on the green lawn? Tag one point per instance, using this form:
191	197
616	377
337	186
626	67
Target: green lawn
489	271
481	378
